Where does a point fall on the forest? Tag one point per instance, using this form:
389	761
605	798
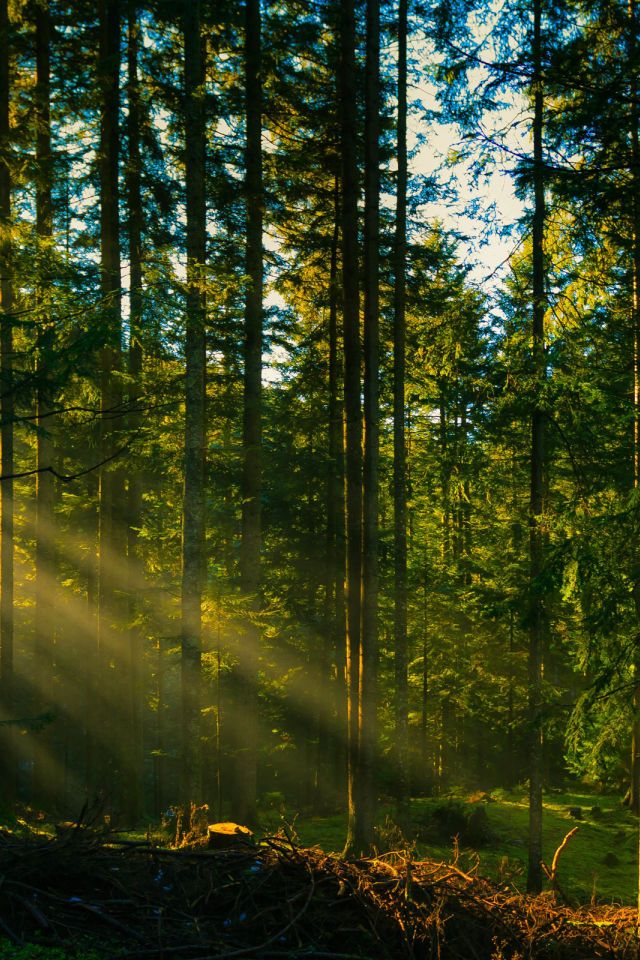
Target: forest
309	505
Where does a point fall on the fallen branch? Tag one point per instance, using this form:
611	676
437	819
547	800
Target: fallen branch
552	874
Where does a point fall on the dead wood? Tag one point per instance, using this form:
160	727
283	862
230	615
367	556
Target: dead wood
240	902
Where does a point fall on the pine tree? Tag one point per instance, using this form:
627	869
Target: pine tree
193	538
45	518
536	630
245	773
353	411
7	773
399	447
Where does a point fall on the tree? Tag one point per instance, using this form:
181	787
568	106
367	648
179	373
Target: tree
399	447
367	821
45	518
7	774
353	411
111	515
245	785
135	571
193	538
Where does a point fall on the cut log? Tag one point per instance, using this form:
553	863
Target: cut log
223	835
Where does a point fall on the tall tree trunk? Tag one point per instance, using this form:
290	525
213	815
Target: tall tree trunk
511	773
353	411
634	800
111	480
245	773
91	633
193	538
135	575
635	157
399	450
7	760
365	835
340	757
331	573
42	784
534	873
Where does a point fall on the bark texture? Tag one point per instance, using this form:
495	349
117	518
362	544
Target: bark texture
399	452
7	763
368	819
43	766
246	679
193	529
135	573
353	410
333	494
107	699
536	630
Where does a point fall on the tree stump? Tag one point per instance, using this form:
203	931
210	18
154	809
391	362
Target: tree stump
222	835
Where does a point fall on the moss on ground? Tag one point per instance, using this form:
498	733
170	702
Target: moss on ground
582	869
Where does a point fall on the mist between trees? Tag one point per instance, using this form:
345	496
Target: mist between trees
409	561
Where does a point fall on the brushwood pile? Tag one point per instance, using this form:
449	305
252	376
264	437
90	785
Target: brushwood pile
275	899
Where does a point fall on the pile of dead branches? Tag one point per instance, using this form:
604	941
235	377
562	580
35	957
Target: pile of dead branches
275	899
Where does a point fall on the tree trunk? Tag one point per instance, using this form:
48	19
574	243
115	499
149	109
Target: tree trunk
534	873
7	760
331	571
243	801
353	412
403	815
111	479
340	758
368	820
193	538
91	655
634	800
510	771
42	784
134	781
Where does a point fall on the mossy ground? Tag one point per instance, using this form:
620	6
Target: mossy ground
582	871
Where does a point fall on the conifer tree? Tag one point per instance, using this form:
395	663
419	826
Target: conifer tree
367	788
193	537
135	573
353	410
7	771
399	448
245	783
536	639
45	518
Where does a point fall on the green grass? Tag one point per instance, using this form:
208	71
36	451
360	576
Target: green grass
582	871
581	868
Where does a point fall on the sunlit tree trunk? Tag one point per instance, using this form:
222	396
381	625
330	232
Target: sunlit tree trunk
399	451
42	784
193	536
353	410
245	772
534	873
365	836
135	575
7	761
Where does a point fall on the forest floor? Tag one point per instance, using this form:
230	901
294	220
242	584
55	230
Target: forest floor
102	896
600	861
